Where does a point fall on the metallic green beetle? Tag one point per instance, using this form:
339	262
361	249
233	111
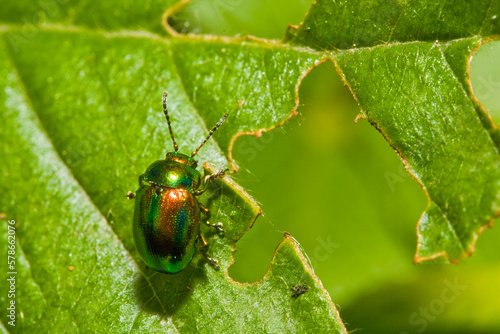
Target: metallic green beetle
167	212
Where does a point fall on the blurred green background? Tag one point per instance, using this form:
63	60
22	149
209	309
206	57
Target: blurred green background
343	193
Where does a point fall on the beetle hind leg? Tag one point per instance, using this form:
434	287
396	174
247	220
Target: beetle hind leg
204	250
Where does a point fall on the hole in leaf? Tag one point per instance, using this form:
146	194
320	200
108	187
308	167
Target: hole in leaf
265	19
485	78
335	185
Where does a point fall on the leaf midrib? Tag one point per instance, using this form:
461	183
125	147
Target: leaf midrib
75	180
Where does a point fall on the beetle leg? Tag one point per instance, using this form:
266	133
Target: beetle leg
130	194
199	192
217	226
204	209
217	175
204	250
203	188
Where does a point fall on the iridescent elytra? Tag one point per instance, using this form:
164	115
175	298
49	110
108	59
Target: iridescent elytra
166	225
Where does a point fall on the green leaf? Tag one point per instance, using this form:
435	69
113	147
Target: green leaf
406	64
357	24
81	120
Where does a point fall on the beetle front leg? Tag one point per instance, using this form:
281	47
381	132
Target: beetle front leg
130	194
204	250
221	173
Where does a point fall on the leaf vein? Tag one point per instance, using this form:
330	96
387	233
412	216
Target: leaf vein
74	179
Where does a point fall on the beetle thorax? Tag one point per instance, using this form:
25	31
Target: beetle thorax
176	171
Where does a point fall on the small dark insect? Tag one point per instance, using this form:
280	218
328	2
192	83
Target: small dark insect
299	289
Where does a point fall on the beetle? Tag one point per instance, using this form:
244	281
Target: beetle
167	214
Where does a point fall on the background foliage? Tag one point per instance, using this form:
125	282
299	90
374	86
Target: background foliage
363	243
365	207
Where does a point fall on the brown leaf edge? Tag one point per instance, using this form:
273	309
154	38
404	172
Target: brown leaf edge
330	57
230	183
257	211
286	239
488	224
258	132
290	34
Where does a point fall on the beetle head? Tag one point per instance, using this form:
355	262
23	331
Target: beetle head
182	158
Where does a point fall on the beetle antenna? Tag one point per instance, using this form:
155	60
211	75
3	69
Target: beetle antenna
165	111
210	134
